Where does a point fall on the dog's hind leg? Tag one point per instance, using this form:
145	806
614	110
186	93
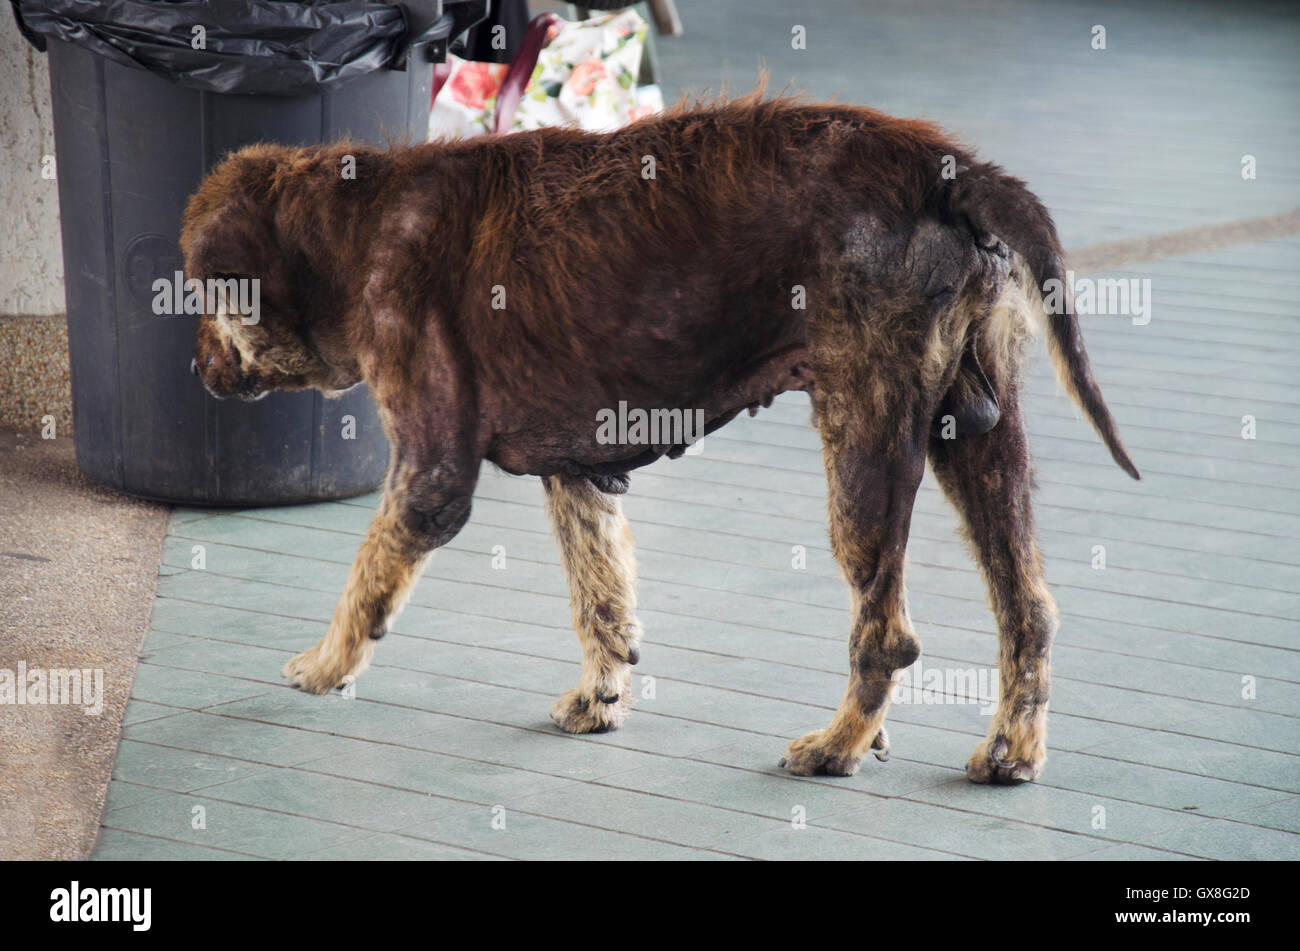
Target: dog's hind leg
874	464
988	480
424	506
596	546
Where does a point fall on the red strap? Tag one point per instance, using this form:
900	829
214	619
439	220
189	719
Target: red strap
441	73
521	70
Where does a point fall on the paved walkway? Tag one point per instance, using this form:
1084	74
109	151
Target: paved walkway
78	568
1177	679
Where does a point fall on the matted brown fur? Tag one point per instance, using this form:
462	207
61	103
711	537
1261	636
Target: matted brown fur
498	294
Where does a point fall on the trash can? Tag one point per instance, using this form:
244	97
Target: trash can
148	96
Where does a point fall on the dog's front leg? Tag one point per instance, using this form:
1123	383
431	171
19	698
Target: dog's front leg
596	544
424	506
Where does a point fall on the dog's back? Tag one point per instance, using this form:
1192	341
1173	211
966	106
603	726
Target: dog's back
753	213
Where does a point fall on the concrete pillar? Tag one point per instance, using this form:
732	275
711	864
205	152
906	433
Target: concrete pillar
34	384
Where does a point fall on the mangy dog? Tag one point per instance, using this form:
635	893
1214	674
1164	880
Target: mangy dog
496	294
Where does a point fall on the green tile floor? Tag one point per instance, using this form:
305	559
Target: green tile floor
446	750
1155	751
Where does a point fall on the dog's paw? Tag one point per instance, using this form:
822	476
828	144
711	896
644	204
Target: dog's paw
994	761
576	713
319	671
811	756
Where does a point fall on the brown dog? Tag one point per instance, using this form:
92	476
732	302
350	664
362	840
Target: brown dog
501	296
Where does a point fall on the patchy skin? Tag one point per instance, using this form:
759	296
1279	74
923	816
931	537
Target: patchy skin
873	473
988	480
667	293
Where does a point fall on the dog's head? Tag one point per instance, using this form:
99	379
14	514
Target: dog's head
261	327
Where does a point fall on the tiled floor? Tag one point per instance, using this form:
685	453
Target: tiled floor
1177	679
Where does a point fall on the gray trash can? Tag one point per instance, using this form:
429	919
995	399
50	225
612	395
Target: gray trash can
140	117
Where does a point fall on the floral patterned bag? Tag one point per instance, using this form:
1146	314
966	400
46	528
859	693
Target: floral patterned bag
572	74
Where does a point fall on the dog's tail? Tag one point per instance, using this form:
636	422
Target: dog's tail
997	204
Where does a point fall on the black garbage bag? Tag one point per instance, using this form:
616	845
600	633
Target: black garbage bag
259	47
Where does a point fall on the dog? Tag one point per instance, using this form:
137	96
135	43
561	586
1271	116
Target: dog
498	294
